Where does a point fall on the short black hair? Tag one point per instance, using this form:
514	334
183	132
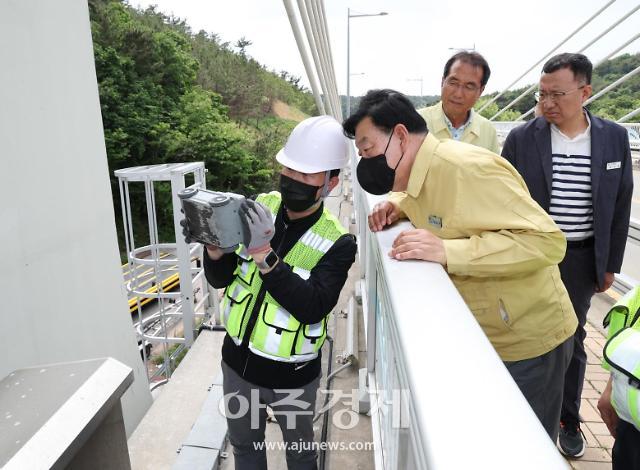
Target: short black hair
472	58
335	172
386	108
579	64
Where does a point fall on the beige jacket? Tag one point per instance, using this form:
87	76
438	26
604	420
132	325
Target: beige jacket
502	249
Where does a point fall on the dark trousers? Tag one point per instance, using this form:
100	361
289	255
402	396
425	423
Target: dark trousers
577	270
626	449
245	408
540	380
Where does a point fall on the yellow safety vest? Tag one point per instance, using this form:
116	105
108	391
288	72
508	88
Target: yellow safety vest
277	334
622	356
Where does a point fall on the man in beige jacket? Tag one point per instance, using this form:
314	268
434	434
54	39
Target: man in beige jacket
453	117
473	215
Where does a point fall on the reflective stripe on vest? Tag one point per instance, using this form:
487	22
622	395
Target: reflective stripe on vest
624	313
277	334
622	352
303	273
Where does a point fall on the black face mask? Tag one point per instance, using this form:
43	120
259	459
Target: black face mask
297	196
374	174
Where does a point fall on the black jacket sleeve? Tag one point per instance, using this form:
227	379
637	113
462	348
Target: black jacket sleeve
310	300
622	210
508	149
219	273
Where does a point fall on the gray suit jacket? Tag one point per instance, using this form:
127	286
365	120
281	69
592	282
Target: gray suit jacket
528	149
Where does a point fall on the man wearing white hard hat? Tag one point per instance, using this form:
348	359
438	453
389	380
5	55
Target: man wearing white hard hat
279	291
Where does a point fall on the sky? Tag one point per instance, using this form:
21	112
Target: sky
406	50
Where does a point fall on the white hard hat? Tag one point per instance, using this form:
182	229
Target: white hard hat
316	144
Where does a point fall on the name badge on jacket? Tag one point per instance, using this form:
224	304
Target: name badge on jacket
613	165
435	221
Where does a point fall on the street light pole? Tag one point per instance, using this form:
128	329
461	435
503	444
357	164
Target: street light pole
460	49
417	80
349	16
348	63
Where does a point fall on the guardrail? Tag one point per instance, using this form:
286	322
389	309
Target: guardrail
622	282
65	415
633	128
433	377
634	231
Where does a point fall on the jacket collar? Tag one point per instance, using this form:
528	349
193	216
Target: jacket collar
543	142
472	123
542	135
439	124
597	153
301	224
421	165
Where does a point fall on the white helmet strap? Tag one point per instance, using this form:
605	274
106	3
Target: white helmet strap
325	188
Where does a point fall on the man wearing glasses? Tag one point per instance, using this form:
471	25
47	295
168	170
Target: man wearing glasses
578	168
463	81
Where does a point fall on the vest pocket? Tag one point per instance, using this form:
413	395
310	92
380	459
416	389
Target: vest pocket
277	332
246	271
315	331
312	337
278	318
234	308
617	318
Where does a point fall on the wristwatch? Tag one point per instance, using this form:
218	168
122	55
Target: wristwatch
269	261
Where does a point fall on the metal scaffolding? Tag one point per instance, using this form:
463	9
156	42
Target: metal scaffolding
156	262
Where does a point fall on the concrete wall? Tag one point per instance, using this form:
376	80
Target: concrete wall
61	295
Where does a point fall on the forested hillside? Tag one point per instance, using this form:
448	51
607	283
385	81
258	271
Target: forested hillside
171	95
623	99
613	105
417	100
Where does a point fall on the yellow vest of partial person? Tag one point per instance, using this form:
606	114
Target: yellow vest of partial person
277	334
622	356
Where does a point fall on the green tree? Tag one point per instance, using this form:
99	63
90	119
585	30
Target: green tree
493	108
169	95
205	133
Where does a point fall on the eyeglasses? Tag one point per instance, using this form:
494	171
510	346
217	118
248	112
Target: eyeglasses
467	87
553	96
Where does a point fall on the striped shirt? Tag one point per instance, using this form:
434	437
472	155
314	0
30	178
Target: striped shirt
571	205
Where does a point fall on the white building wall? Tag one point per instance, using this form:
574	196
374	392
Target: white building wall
61	295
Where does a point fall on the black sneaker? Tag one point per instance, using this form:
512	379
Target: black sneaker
571	440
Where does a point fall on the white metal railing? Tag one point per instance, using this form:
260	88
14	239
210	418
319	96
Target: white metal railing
629	115
622	282
634	231
633	128
433	373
